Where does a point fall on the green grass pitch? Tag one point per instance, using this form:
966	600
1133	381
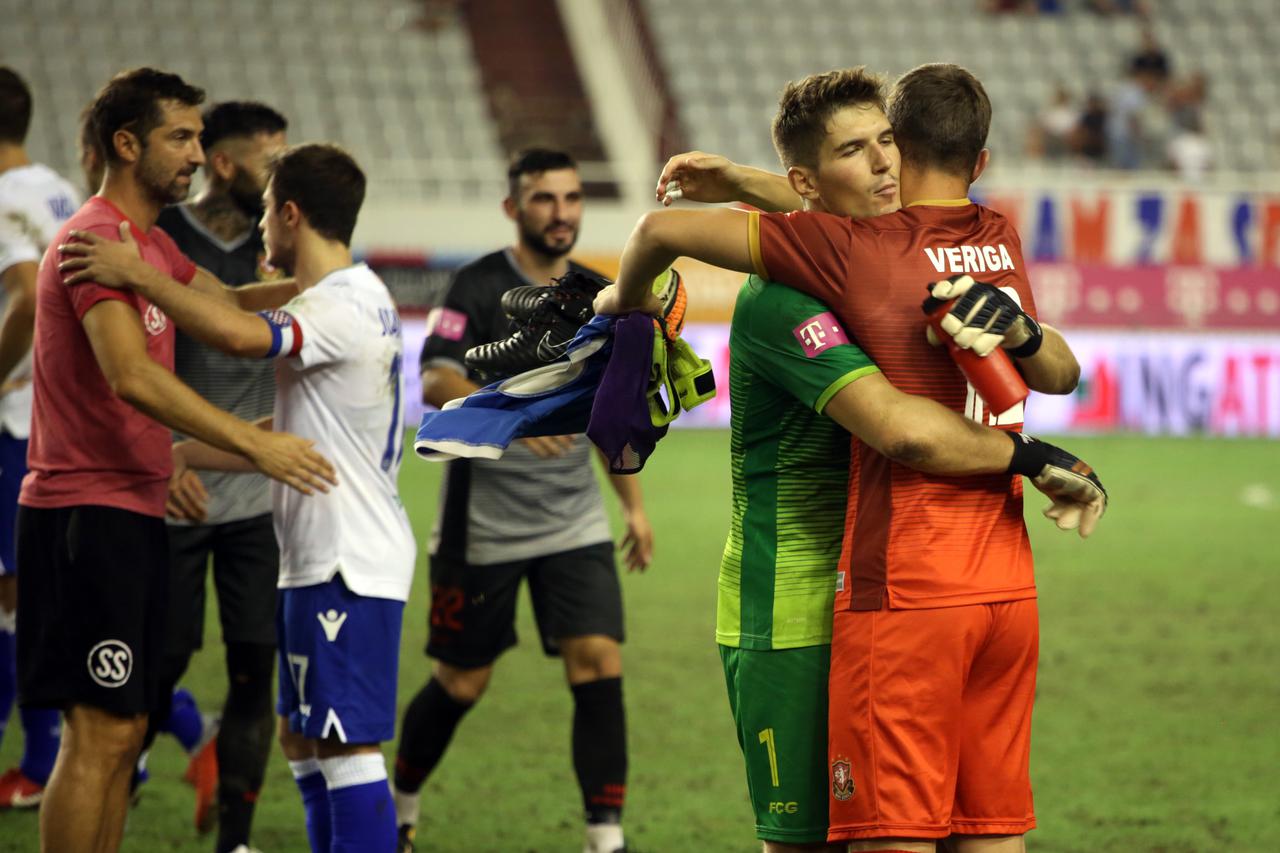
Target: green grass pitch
1159	684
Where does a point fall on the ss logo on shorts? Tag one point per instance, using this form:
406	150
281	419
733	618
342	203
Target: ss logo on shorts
110	663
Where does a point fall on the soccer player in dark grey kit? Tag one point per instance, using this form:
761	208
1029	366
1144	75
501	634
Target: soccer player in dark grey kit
537	514
222	514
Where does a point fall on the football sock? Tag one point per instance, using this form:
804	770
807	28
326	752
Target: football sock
185	722
604	838
42	730
360	808
429	723
315	801
600	748
8	668
244	744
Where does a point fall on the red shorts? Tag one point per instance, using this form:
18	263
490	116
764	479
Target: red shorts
930	721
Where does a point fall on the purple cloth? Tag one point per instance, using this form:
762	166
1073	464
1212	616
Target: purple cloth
620	424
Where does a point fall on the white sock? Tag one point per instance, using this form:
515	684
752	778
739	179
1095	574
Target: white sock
408	806
361	768
305	767
603	838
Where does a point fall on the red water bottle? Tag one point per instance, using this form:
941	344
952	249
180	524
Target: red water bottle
993	376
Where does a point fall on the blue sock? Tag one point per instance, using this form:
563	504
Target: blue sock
315	801
42	728
185	722
8	671
363	814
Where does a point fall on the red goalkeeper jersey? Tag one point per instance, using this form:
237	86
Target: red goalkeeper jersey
922	540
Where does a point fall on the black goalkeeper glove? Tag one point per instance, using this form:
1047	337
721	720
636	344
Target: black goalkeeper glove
1079	500
983	317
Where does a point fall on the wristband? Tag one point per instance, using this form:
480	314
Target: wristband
1030	455
1031	346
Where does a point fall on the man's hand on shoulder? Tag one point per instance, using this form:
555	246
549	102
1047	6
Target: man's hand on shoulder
698	176
91	257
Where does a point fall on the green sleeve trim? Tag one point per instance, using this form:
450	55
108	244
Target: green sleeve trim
834	387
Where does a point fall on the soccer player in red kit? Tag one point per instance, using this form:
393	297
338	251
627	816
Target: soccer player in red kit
936	586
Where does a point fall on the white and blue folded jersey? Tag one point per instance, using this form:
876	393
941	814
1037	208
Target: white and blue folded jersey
554	399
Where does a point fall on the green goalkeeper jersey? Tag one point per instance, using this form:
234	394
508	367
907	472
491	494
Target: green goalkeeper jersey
788	356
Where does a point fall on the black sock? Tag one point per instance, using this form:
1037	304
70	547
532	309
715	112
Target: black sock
244	741
429	723
600	748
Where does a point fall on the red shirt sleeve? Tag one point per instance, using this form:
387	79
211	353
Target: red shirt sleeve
806	250
181	268
87	294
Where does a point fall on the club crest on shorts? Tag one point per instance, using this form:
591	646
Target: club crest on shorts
841	778
110	663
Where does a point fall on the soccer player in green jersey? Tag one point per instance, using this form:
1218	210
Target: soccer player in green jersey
798	387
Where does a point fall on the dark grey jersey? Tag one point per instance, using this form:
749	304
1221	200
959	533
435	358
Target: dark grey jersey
245	387
519	506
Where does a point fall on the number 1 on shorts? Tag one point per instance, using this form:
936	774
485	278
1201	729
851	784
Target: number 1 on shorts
766	738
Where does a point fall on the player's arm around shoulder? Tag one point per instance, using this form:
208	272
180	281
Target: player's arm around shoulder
119	345
260	296
721	237
207	318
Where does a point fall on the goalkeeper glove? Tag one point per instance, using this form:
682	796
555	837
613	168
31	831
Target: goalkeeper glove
983	317
1079	499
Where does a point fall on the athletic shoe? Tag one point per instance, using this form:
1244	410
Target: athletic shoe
245	848
19	792
404	838
547	330
571	294
202	774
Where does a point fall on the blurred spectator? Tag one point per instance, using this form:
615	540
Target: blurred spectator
1137	119
1032	7
1187	98
1090	137
1051	135
1151	57
1138	8
1189	153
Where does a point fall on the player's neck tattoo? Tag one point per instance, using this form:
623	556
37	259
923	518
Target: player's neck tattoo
219	213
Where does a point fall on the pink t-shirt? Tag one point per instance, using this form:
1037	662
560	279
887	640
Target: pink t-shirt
87	445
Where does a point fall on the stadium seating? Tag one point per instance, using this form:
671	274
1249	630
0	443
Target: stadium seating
727	59
406	101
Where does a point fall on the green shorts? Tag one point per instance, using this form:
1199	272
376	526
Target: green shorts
779	704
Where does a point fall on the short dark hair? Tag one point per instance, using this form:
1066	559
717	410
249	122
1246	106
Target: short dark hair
806	105
15	106
131	101
244	119
533	161
326	185
940	115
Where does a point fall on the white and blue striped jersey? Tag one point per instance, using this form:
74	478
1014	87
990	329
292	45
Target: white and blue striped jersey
339	383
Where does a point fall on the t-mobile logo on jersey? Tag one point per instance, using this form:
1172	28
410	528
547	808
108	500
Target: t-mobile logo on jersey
819	333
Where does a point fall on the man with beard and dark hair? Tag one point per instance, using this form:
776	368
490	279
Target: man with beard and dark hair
226	515
535	513
91	512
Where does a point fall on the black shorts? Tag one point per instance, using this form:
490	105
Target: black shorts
91	608
473	608
246	566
